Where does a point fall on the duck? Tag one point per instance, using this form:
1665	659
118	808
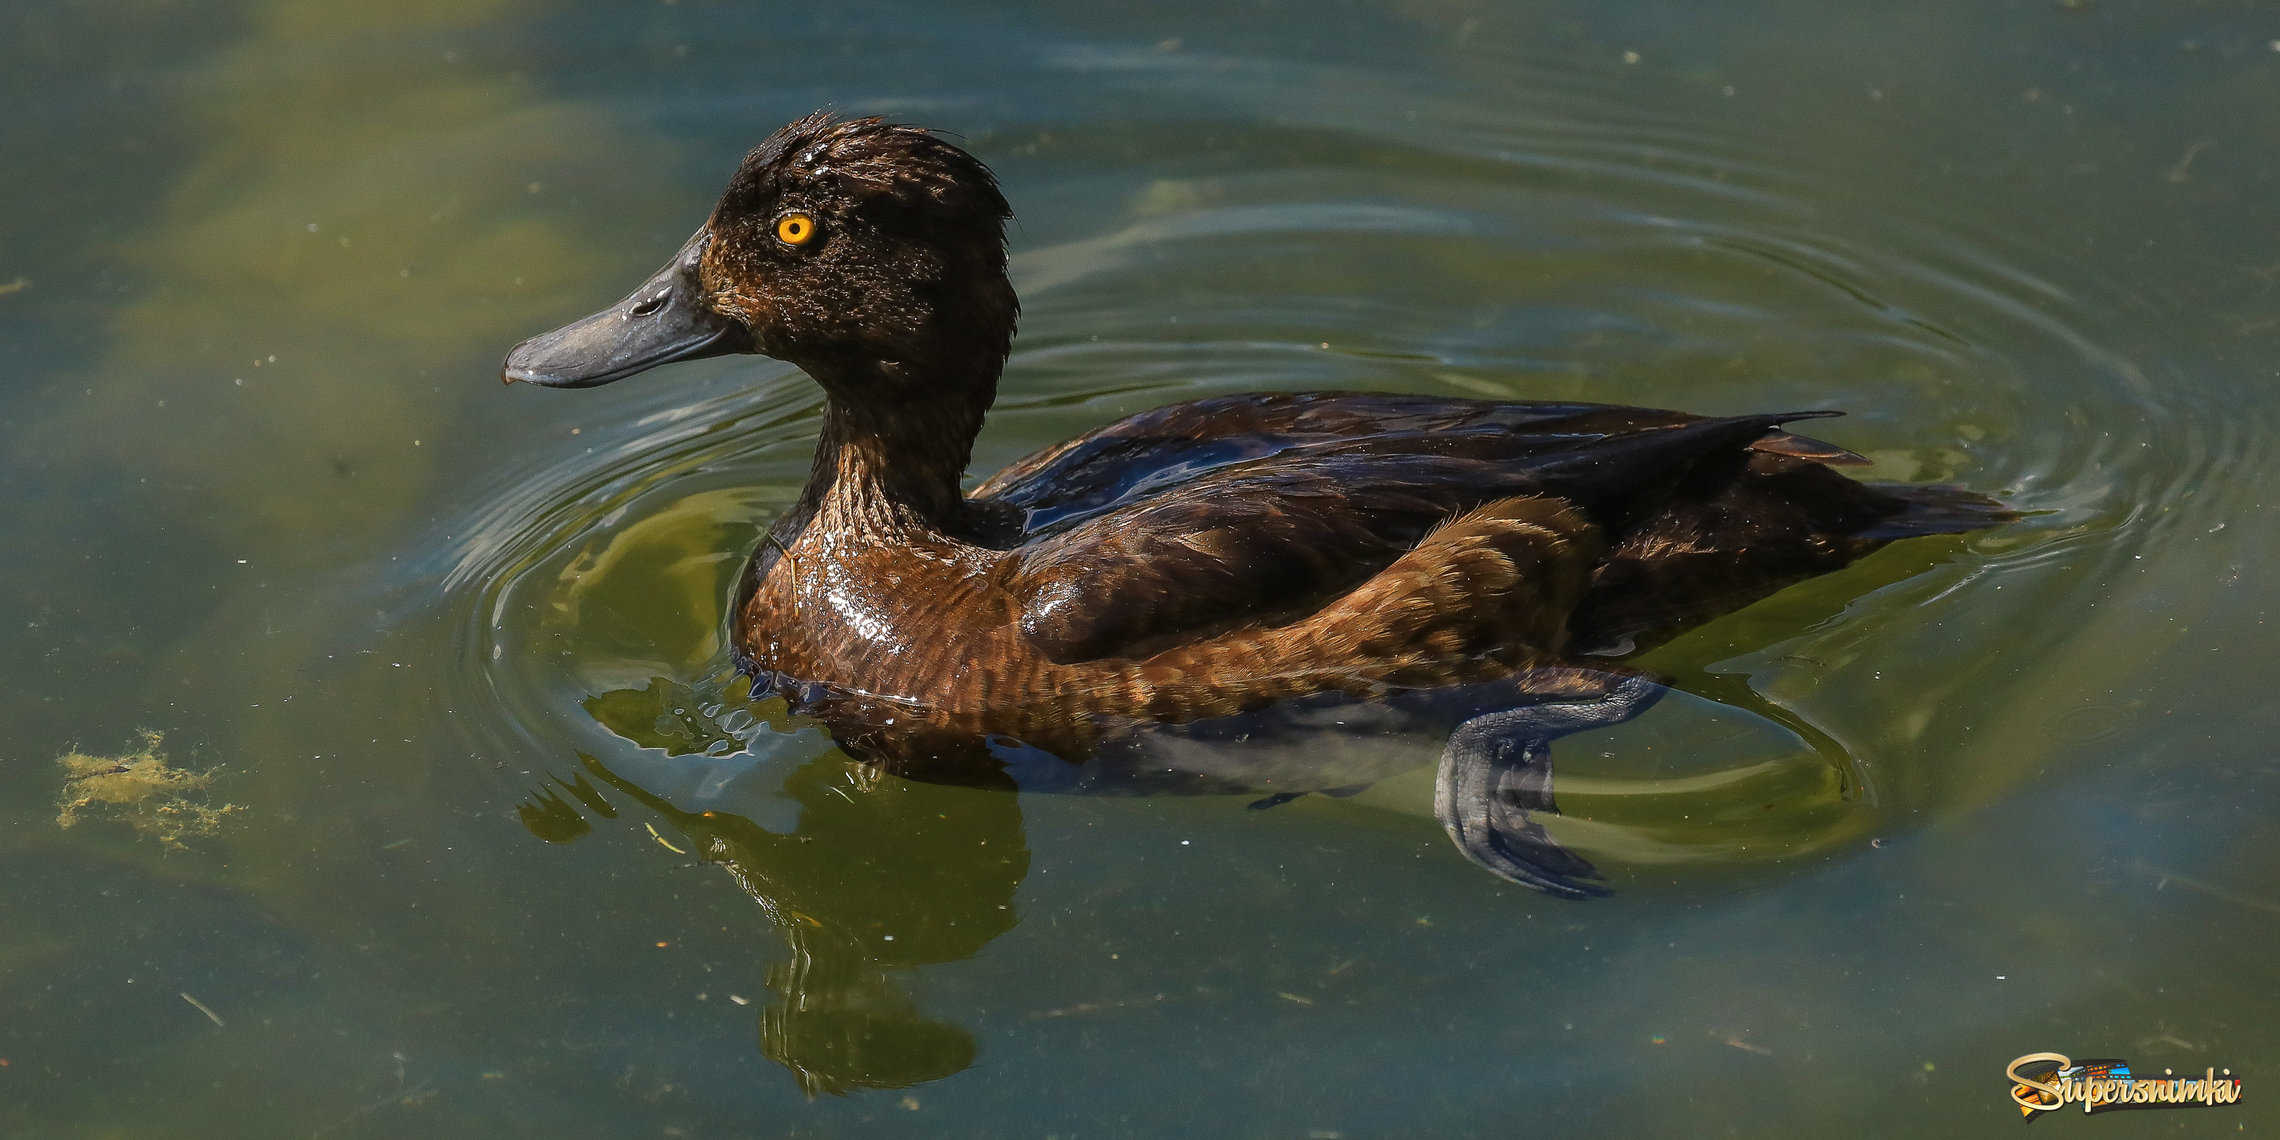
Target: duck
1487	566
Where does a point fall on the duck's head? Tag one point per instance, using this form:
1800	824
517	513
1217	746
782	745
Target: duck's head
871	255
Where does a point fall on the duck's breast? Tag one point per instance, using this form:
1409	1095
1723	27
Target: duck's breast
915	621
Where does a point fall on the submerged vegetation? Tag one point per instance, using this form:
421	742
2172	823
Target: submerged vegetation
141	788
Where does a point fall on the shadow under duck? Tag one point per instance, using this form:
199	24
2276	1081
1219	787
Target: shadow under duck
1203	569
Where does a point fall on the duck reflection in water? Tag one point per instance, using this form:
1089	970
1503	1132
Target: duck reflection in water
872	883
1126	607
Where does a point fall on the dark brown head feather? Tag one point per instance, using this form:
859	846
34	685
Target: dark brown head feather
866	162
907	264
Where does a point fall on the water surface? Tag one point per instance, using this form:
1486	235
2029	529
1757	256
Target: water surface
515	855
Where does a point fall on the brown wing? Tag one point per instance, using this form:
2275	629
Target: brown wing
1250	526
1236	544
1158	450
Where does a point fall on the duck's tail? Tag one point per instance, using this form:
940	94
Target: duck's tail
1934	508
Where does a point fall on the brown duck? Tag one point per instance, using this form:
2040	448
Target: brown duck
1204	565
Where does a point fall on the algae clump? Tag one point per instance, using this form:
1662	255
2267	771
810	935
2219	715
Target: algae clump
142	789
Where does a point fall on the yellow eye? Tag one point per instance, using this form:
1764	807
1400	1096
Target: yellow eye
795	229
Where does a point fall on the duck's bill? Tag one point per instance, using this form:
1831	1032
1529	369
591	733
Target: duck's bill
665	320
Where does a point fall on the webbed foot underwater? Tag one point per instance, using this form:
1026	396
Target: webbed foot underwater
1208	563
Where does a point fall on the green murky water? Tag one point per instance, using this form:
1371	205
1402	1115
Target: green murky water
509	856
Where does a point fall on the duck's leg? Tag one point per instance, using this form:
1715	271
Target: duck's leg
1498	767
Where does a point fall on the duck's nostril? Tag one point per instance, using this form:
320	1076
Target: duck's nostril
648	305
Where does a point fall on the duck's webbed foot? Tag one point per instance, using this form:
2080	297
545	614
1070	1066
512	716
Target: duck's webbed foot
1498	767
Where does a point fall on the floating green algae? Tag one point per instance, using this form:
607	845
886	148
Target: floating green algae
142	789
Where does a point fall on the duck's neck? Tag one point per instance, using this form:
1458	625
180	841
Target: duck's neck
892	450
